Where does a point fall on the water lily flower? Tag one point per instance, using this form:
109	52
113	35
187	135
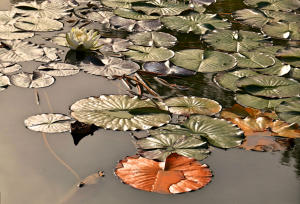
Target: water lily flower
81	39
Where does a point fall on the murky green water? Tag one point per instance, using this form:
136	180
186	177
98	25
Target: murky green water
29	174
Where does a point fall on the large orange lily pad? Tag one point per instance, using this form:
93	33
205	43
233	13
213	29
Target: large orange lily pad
178	174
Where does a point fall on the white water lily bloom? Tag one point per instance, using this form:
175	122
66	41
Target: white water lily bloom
81	39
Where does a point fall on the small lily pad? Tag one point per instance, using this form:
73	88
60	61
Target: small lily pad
114	44
59	69
119	112
281	5
254	60
147	54
49	123
4	82
166	68
203	60
289	111
34	80
127	13
60	39
192	105
38	24
156	39
283	30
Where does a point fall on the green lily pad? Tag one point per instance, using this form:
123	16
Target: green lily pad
4	82
289	111
269	86
278	69
156	39
235	41
34	80
162	8
38	24
148	54
196	23
203	60
171	129
192	105
59	69
254	60
295	73
161	146
218	132
49	123
283	30
127	13
120	3
119	112
258	102
281	5
227	80
20	51
290	56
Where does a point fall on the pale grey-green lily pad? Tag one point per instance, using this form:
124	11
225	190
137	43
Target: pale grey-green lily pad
269	86
278	69
49	123
4	82
192	105
162	145
156	39
235	41
148	54
59	69
20	51
196	23
203	60
127	13
254	60
38	24
281	5
289	111
283	30
34	80
114	44
119	112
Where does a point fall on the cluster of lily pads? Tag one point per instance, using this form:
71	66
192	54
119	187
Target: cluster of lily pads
180	129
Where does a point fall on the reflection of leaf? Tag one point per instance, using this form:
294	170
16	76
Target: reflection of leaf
49	123
80	130
178	174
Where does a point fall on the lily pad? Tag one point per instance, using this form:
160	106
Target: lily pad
196	23
289	111
7	17
166	68
60	39
290	56
119	112
258	102
254	60
269	86
295	73
109	67
161	146
59	69
235	41
49	123
192	105
34	80
8	68
278	69
283	30
127	13
4	82
38	24
100	16
147	54
281	5
203	60
9	32
218	132
20	51
120	3
156	39
50	55
114	44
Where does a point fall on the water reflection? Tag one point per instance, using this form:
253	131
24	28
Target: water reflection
292	158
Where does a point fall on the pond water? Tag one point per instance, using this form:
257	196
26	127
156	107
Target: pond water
30	174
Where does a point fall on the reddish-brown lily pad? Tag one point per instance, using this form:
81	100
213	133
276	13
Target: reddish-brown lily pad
178	174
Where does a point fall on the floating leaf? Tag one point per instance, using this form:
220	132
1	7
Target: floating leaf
218	132
60	39
38	24
9	32
59	69
165	68
7	17
254	60
8	68
283	30
20	51
178	174
119	112
227	80
114	44
192	105
161	146
269	86
156	39
49	123
196	23
203	60
50	55
4	82
296	73
235	41
278	69
289	111
120	3
127	13
100	16
147	54
109	67
290	56
258	102
201	2
35	80
281	5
